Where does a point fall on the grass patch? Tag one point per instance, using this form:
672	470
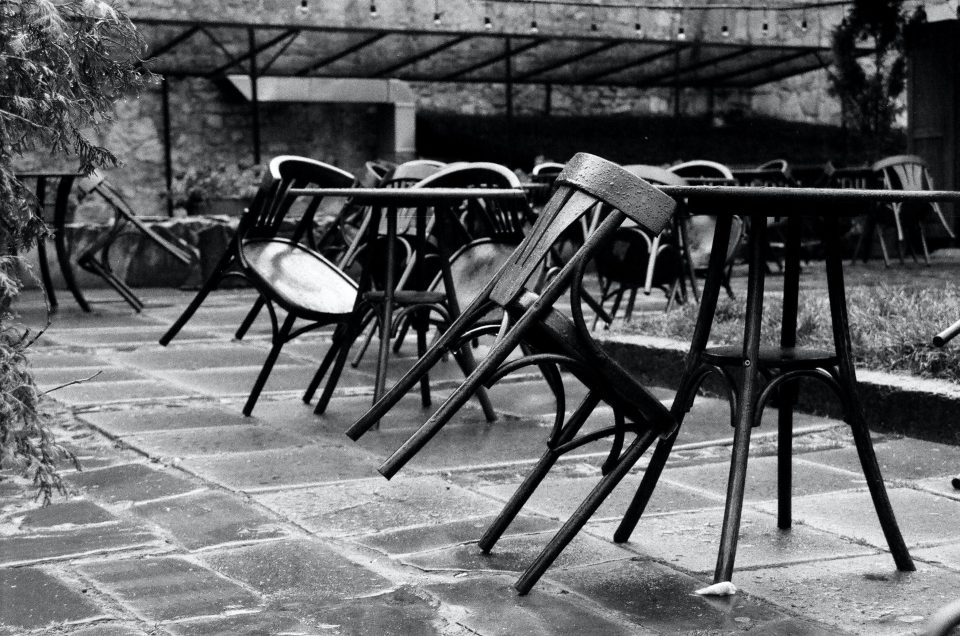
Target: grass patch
891	326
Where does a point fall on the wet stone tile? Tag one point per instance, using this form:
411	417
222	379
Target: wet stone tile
66	542
106	392
48	379
490	605
658	598
296	572
266	623
91	337
112	628
209	518
945	555
401	611
163	589
237	381
270	469
516	554
864	595
199	356
924	519
901	459
73	512
163	418
376	505
129	482
59	359
761	485
213	441
33	599
449	534
691	541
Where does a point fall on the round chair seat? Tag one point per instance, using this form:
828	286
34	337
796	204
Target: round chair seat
773	357
300	277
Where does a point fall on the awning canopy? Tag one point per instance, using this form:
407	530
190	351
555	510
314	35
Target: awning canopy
205	47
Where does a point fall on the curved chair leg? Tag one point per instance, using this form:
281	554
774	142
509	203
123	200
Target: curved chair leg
422	325
208	286
368	327
583	513
278	339
338	335
535	476
250	318
338	363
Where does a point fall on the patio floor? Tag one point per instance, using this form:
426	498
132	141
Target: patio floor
189	518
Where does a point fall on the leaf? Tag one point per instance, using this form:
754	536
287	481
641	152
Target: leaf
724	588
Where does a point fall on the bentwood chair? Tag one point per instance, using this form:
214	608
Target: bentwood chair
266	217
907	172
531	321
95	258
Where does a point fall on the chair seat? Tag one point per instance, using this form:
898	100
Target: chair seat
556	333
301	278
774	357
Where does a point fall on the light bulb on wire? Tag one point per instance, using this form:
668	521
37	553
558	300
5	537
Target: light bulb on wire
304	8
373	10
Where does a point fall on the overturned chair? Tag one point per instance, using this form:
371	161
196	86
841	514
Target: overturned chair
554	341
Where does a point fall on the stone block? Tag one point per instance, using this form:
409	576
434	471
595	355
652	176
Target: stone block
924	519
863	595
213	441
96	393
33	599
67	542
691	541
167	589
365	506
274	469
198	357
905	458
129	482
265	623
163	418
205	519
297	573
451	534
76	512
489	605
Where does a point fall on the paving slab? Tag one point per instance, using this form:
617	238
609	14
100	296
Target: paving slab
691	541
449	534
34	599
490	605
50	378
905	458
40	360
214	441
98	393
110	628
569	483
406	610
865	595
203	519
661	599
198	356
270	469
65	542
375	505
947	555
129	482
808	478
123	422
117	337
296	572
516	553
924	519
249	623
169	588
232	381
66	512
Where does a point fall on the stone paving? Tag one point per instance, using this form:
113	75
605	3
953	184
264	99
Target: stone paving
189	518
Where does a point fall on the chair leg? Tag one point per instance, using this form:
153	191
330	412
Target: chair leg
339	362
208	286
787	396
422	326
878	492
403	328
923	243
278	339
580	517
369	328
328	359
250	318
647	485
535	476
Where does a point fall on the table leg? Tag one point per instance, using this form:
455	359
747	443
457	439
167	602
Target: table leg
60	240
748	394
41	194
420	316
858	425
787	392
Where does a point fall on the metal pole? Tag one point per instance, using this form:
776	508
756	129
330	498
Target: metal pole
167	158
508	89
254	99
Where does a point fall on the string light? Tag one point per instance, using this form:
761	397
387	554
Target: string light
638	27
725	30
436	13
533	20
304	8
593	19
681	31
373	10
765	28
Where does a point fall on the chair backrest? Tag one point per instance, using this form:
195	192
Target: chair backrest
702	169
96	183
375	172
546	172
501	220
411	172
271	203
904	172
861	177
771	173
586	181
